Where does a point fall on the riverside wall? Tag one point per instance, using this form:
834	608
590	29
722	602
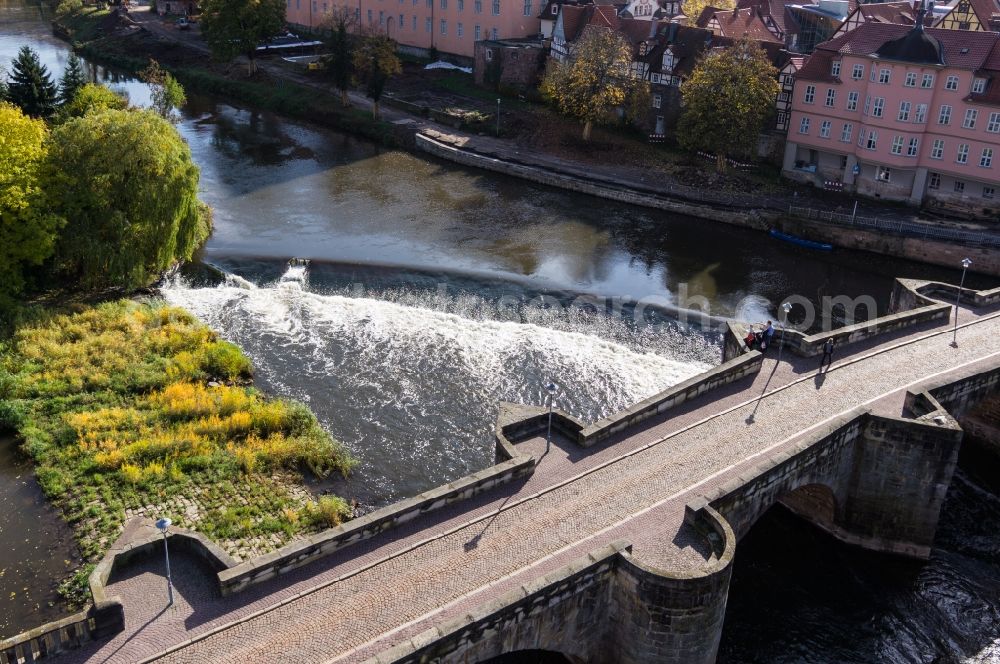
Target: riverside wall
934	252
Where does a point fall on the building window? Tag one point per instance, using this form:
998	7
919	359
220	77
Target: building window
959	187
852	101
479	6
489	55
913	147
904	111
804	126
978	86
527	7
460	5
810	95
459	30
920	116
381	19
927	81
496	33
496	7
897	145
944	116
845	133
937	150
479	33
874	73
911	79
654	78
555	9
986	159
872	140
970	118
831	97
402	22
657	101
835	68
934	181
427	25
993	126
444	4
444	28
414	23
962	156
868	103
858	72
861	137
824	129
951	83
877	107
883	76
882	173
987	192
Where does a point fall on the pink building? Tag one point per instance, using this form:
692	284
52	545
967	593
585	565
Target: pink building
450	26
901	113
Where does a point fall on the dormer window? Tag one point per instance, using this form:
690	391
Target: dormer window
555	9
668	61
978	86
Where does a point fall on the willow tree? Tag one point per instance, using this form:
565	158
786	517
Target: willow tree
238	27
596	80
90	98
125	183
27	231
726	102
375	62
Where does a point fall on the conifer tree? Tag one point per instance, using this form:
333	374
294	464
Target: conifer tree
31	88
72	79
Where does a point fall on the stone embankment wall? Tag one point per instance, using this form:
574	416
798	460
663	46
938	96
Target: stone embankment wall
935	252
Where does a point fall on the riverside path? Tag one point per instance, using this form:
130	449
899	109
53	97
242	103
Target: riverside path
634	488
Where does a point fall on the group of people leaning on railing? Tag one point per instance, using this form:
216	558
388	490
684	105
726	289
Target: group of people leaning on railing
761	336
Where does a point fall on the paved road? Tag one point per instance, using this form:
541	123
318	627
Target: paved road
374	594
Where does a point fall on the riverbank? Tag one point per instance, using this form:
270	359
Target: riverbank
133	408
299	96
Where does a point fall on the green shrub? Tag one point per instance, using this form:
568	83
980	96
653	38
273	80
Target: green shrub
221	359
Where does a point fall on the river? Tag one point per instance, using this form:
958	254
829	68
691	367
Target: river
434	292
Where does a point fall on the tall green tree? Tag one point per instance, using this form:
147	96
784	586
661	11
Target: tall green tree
237	27
127	188
31	88
727	101
72	79
167	92
596	79
27	231
375	62
340	61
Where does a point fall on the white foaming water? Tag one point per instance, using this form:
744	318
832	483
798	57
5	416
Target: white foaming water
414	391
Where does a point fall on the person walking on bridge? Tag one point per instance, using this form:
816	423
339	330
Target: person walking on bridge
827	355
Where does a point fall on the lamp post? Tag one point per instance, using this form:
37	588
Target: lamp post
785	307
498	119
966	262
163	524
551	388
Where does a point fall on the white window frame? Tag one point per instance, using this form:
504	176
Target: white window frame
884	76
897	145
962	154
858	72
824	129
944	114
937	149
878	106
971	115
810	95
904	111
845	133
804	124
927	81
872	142
831	98
911	79
852	100
986	158
978	85
951	83
913	148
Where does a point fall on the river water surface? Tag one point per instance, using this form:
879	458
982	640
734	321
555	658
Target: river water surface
435	292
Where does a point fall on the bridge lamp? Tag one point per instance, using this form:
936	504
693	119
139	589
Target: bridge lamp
786	307
552	389
163	524
966	262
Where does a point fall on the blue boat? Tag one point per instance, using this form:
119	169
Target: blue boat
802	242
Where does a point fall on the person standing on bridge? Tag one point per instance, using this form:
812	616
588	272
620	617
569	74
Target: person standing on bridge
827	355
768	335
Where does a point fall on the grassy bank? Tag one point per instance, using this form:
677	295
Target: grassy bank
135	408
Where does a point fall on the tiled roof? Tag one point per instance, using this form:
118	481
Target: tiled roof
962	49
783	19
738	22
573	18
983	9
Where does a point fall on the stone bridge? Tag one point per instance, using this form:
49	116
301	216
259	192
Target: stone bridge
613	542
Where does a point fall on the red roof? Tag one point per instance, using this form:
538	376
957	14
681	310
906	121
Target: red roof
739	22
961	48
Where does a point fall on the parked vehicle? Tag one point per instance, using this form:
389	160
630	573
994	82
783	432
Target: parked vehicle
183	23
